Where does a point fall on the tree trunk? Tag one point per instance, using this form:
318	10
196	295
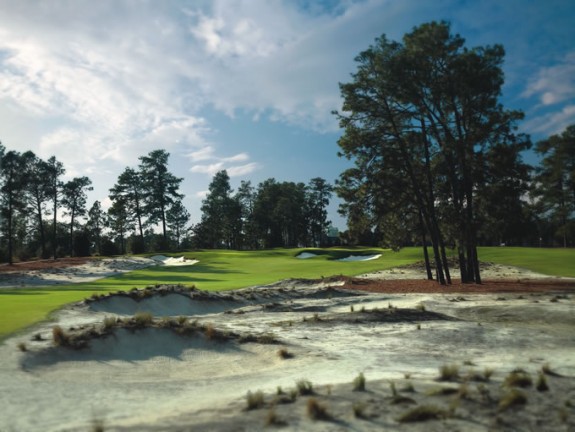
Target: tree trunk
424	244
54	232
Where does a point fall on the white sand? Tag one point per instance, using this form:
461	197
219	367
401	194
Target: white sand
306	255
173	261
360	258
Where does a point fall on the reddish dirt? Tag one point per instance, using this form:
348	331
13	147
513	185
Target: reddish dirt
44	264
488	286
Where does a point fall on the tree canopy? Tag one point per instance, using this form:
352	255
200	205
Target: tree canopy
427	110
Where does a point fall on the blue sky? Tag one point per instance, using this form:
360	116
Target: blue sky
242	85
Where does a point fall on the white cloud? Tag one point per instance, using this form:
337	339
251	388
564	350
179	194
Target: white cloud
205	153
554	84
241	170
551	123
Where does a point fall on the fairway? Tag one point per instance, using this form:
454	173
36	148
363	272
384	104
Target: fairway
219	270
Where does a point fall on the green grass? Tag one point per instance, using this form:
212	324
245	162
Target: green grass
226	270
553	262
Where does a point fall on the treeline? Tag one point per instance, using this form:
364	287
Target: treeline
41	216
438	159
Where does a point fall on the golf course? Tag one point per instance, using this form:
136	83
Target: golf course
220	270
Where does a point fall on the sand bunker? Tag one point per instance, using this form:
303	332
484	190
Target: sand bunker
170	304
360	258
306	255
173	261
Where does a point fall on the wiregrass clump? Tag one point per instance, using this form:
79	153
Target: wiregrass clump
304	387
518	378
142	319
60	337
316	410
513	398
359	382
448	373
255	400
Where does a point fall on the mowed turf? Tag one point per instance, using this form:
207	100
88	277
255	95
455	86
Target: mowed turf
226	270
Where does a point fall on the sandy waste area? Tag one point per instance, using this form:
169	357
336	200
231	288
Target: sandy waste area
178	359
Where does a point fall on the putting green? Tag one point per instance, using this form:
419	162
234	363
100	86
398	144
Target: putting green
226	270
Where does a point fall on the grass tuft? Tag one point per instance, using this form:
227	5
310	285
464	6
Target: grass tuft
143	319
59	336
255	400
359	382
449	373
304	387
272	418
518	378
109	323
513	398
316	411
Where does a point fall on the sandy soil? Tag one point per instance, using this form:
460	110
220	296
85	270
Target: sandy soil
173	374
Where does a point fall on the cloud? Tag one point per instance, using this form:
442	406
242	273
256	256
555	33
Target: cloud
217	163
551	123
554	84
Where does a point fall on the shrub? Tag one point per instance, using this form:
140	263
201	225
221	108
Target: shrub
316	411
304	387
422	413
255	400
359	383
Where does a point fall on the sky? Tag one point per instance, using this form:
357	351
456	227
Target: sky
243	85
